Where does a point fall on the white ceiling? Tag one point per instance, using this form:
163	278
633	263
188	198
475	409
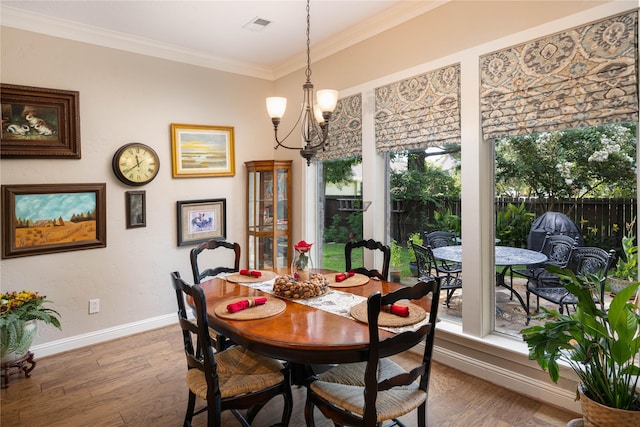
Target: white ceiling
211	33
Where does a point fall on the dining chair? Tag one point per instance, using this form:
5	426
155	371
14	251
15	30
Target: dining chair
232	379
584	261
197	252
377	389
427	264
437	239
558	249
220	341
374	246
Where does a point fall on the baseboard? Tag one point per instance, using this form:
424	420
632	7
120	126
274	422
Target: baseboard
78	341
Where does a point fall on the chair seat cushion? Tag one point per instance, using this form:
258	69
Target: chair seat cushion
240	371
344	387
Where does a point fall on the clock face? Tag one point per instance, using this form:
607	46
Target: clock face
136	164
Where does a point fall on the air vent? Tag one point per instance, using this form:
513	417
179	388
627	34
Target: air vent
256	24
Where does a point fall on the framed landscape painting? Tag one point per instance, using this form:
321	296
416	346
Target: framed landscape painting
201	151
201	220
39	123
49	218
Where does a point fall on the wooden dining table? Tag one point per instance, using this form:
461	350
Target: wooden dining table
300	334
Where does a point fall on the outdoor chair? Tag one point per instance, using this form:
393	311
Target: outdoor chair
232	379
437	239
558	249
374	246
450	279
584	261
370	392
220	341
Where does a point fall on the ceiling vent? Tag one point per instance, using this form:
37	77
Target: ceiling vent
256	24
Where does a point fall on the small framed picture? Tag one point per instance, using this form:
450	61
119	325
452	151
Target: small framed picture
201	220
201	151
39	123
136	209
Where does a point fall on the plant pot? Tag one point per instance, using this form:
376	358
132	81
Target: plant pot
394	275
595	414
413	267
21	348
616	285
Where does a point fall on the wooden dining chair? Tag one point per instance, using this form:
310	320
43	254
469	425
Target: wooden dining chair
372	245
378	389
449	274
232	379
210	245
220	341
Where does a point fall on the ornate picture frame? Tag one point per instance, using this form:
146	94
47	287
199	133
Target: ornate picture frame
136	209
39	123
202	151
201	220
49	218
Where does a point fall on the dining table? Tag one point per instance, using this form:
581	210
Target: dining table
318	330
505	256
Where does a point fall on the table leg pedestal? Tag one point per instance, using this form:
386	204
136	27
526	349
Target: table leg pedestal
24	364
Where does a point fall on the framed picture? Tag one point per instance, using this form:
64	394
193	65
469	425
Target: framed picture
201	220
200	151
47	218
135	202
39	123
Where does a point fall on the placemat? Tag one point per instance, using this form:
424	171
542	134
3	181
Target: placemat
241	278
416	314
355	280
272	307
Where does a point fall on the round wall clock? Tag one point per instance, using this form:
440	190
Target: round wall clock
135	164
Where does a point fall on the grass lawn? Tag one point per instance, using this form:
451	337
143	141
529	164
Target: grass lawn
333	258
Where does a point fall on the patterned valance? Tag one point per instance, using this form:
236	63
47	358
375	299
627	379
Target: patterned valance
585	76
419	112
345	130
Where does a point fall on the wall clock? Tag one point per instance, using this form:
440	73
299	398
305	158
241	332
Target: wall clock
135	164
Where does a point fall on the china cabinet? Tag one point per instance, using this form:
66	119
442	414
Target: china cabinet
269	206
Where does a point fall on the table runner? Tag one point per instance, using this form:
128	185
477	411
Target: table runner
334	301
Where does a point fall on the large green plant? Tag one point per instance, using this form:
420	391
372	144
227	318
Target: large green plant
627	265
513	225
446	221
600	345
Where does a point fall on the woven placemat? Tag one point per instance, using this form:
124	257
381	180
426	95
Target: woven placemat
416	314
241	278
272	307
355	280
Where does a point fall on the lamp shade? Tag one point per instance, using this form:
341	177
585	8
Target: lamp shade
317	113
327	100
276	106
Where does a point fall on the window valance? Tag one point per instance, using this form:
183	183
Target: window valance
345	130
419	112
585	76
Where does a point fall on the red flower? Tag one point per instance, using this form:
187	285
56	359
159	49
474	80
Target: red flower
302	246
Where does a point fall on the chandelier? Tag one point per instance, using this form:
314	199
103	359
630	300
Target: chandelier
314	116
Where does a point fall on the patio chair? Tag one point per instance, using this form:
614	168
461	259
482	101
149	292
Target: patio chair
426	262
370	392
436	239
584	261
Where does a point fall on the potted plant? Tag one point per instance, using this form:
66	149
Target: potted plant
417	239
600	345
19	312
395	270
626	271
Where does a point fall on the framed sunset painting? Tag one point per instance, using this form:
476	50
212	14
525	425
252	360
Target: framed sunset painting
202	151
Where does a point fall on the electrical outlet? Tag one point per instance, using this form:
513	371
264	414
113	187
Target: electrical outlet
94	306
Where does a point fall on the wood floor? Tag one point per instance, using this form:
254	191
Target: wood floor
139	381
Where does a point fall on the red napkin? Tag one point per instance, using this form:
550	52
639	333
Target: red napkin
252	273
241	305
344	276
398	310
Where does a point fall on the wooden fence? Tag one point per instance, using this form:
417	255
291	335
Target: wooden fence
601	221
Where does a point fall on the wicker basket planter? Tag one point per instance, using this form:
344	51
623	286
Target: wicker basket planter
596	415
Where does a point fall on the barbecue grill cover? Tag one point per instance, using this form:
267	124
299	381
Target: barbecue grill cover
554	223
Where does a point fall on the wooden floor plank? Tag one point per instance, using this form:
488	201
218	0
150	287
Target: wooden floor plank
140	381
